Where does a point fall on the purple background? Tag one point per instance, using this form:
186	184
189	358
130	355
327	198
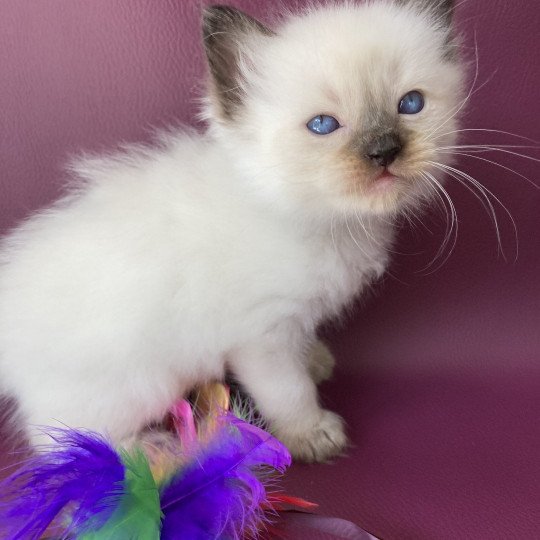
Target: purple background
438	374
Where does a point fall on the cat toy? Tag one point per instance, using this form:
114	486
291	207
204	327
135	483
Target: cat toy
208	478
211	475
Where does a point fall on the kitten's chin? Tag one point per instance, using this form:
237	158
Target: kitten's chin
383	184
385	194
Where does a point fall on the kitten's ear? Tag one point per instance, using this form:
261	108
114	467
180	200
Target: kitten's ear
228	35
442	10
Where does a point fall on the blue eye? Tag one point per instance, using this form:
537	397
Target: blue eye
323	124
411	103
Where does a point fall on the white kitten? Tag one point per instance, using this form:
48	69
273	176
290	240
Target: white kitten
167	266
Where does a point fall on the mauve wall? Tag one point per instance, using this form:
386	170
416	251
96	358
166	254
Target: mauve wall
439	375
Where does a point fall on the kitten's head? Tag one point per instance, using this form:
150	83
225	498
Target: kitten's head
342	108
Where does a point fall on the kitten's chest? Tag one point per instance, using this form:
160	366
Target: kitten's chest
319	273
263	270
344	266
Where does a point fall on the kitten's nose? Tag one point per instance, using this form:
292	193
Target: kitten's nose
384	150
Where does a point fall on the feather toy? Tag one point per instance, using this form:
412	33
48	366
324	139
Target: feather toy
219	495
82	472
207	480
138	512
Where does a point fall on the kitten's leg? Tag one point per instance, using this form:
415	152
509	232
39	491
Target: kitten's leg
321	362
280	383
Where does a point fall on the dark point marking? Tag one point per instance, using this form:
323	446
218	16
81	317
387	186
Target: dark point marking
224	30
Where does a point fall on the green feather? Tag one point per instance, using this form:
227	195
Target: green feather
138	515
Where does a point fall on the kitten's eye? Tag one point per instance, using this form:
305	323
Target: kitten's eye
323	124
411	103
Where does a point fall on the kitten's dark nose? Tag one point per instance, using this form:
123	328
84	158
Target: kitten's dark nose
384	150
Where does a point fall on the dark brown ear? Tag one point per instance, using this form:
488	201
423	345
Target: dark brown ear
226	31
442	10
445	10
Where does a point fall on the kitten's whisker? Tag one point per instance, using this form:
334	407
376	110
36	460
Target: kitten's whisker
432	186
392	224
351	234
413	218
440	204
491	147
459	176
452	231
463	178
332	231
411	223
451	216
414	221
492	209
481	198
371	237
480	195
466	154
353	238
487	131
368	235
439	199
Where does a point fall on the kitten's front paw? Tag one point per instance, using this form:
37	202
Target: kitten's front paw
322	442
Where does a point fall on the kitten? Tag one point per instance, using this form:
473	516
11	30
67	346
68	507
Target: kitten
165	267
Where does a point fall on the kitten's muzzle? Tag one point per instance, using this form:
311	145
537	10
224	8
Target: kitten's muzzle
384	150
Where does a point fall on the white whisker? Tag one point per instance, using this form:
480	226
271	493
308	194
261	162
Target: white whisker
439	200
487	131
332	230
452	224
491	147
499	165
463	178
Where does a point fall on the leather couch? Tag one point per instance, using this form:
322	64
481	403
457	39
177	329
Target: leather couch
438	371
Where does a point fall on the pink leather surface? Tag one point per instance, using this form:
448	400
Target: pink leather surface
439	374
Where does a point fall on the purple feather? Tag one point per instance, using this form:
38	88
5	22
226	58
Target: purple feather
220	494
81	473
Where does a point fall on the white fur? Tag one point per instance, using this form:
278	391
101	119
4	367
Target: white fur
226	250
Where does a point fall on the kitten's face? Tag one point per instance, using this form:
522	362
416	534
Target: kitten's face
345	107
